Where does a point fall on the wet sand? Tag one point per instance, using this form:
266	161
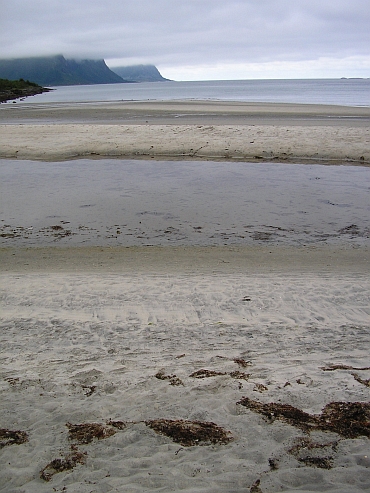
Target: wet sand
109	202
186	112
133	261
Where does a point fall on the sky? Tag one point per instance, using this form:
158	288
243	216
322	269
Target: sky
197	39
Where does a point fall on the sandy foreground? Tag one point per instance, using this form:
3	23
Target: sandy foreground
183	130
186	368
132	336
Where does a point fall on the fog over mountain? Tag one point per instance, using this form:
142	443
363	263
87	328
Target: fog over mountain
198	38
139	73
59	71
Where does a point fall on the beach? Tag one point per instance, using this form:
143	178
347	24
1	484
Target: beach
182	130
187	331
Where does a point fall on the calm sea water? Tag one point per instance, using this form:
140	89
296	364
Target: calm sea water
348	92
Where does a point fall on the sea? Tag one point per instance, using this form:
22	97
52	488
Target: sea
347	92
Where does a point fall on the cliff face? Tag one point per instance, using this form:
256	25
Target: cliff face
57	71
139	73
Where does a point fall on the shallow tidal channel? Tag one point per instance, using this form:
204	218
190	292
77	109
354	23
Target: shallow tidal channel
111	202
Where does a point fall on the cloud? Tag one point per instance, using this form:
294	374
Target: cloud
320	68
197	33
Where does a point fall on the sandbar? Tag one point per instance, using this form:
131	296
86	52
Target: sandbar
187	130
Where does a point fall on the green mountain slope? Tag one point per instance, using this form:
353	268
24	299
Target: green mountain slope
58	71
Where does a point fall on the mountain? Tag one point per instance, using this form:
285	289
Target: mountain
139	73
58	71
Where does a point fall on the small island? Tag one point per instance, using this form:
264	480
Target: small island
15	89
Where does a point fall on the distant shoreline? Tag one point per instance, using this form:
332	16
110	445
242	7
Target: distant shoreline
353	93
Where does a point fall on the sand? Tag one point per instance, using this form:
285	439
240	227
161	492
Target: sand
183	130
114	337
94	338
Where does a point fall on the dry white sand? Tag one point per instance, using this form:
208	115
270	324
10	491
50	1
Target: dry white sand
267	142
84	334
200	130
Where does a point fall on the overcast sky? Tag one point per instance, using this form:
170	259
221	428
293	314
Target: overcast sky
197	39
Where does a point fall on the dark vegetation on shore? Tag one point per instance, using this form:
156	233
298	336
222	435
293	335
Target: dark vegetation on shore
14	89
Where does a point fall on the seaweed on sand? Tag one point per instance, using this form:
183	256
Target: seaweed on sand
313	453
12	437
63	464
206	373
242	362
321	462
348	419
284	412
13	382
173	379
121	425
90	389
259	387
189	433
86	432
211	373
239	375
255	488
364	381
343	367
